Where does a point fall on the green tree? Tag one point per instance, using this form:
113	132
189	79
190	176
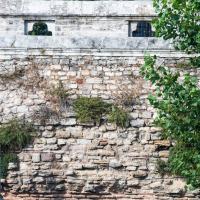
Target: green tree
179	20
178	102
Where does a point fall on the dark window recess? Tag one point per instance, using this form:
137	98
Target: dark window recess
143	30
40	28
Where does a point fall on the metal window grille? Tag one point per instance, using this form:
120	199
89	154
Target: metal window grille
40	28
143	30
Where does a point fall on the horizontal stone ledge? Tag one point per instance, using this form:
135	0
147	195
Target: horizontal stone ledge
59	7
27	16
61	53
125	43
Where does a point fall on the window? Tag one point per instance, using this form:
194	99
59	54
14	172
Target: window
40	28
142	29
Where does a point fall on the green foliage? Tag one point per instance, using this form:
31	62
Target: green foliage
179	20
162	167
118	116
40	28
14	136
184	161
5	159
92	110
59	91
178	107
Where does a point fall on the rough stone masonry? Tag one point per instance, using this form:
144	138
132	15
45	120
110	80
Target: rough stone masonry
70	160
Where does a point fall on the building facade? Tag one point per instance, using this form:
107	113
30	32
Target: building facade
95	49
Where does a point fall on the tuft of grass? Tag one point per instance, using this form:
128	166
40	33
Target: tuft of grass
90	110
15	135
162	167
59	91
5	159
118	116
94	109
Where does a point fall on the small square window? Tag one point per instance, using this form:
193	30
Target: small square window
39	28
141	29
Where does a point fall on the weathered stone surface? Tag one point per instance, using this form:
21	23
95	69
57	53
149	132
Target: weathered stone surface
69	160
47	157
115	164
12	166
36	157
38	180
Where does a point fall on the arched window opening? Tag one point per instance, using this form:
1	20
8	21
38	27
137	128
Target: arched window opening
144	29
40	28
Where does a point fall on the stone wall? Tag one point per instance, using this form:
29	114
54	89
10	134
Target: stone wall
77	8
124	45
69	160
91	54
74	18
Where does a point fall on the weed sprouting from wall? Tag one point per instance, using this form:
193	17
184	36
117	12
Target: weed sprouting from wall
90	110
28	76
44	115
5	159
94	110
126	96
118	116
162	167
11	75
14	136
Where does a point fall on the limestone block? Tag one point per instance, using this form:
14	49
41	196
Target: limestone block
177	187
83	141
51	140
94	80
137	123
61	141
66	158
163	143
134	115
68	122
134	182
115	163
39	180
22	109
146	115
63	134
70	172
36	157
60	187
76	132
12	166
90	188
48	134
131	168
47	157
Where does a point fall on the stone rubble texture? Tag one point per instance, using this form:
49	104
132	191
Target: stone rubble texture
70	160
73	161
